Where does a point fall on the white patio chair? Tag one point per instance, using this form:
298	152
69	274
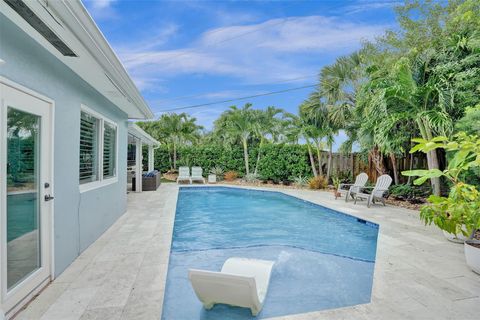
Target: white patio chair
242	283
349	189
383	182
184	174
197	174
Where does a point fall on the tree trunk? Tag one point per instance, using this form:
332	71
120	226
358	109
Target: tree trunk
329	165
245	155
170	161
312	161
174	156
319	155
258	156
258	161
409	181
375	159
434	165
352	164
432	158
394	167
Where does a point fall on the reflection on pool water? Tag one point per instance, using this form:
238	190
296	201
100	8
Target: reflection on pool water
21	214
323	259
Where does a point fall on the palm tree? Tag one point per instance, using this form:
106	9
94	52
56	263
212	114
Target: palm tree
343	85
173	130
298	128
320	117
409	92
267	127
338	88
238	123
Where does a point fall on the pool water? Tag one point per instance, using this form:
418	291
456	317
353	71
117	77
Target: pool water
323	259
21	214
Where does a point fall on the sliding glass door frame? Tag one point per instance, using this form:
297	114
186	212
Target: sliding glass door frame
23	99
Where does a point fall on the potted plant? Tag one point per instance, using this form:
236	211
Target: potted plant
459	213
336	184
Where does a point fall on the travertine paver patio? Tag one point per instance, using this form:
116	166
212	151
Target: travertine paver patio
418	273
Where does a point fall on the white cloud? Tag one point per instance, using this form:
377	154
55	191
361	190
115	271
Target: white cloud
271	51
159	37
101	4
226	94
223	15
188	100
367	5
206	117
101	9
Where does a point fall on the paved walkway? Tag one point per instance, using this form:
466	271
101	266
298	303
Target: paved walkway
418	273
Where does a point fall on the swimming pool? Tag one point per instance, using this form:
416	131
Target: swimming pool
324	258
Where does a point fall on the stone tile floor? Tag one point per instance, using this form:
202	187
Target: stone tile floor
418	273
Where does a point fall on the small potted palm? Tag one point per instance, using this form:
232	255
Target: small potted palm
459	213
336	184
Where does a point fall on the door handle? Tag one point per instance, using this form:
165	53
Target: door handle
48	197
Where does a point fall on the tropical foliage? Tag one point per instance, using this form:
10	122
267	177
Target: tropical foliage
460	211
173	130
420	80
417	81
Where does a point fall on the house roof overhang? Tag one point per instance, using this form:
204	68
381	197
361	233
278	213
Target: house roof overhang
140	134
94	60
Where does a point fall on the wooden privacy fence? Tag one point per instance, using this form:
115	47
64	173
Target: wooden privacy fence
354	163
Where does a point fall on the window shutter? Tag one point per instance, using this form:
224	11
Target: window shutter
89	127
109	150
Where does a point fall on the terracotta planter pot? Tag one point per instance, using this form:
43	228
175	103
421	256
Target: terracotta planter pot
472	255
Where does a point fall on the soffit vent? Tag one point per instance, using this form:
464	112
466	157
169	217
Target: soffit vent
28	15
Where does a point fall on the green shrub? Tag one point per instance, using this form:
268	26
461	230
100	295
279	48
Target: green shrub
282	162
210	156
278	162
345	176
410	191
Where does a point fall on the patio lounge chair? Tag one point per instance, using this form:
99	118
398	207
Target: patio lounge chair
350	189
383	182
197	174
242	283
184	174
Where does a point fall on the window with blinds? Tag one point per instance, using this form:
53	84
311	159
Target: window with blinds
109	150
89	128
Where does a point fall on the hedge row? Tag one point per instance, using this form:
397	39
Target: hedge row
278	162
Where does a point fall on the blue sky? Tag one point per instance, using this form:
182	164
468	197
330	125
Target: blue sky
183	53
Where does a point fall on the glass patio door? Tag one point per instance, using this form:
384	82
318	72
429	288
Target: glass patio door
26	188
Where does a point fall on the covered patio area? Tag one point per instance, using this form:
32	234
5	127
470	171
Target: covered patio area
137	139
